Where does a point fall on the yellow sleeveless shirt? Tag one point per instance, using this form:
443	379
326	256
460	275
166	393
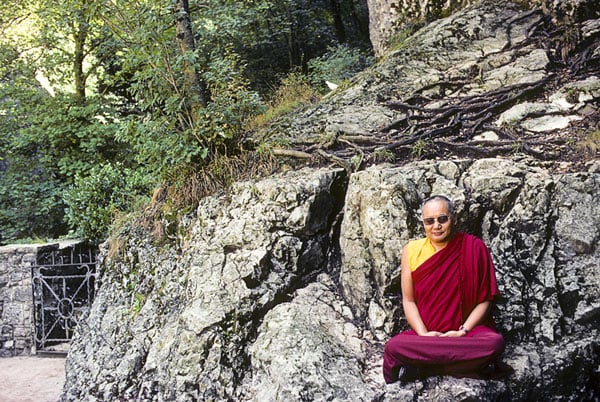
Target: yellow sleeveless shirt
418	252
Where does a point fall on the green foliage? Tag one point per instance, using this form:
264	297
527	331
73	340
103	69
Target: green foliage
295	88
383	155
98	196
277	36
51	132
232	103
399	40
356	161
97	105
160	141
137	302
47	142
30	204
420	147
590	142
294	91
338	64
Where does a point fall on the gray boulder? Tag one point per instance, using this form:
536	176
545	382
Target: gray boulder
546	261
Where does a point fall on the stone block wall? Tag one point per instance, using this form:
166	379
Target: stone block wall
16	300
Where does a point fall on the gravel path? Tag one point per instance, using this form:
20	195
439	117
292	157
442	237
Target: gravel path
31	378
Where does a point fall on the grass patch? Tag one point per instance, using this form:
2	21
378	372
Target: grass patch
183	194
590	143
295	91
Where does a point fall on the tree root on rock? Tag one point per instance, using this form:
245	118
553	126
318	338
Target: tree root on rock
443	126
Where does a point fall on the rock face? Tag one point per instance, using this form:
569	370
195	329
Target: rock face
389	18
178	323
479	83
545	262
263	298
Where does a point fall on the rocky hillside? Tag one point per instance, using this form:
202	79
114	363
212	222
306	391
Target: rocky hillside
492	80
286	288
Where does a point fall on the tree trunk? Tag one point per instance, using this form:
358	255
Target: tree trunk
80	34
290	39
195	87
338	22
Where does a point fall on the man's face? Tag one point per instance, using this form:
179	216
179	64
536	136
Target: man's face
438	222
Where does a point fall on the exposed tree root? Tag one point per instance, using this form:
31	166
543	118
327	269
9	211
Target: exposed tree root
455	124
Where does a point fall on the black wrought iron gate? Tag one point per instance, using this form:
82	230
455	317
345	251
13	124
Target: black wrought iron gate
63	290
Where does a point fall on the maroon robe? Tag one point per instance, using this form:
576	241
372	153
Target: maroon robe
447	287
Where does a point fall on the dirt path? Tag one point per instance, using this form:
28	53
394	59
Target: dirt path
31	378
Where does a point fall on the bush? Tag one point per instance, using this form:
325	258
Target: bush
95	199
294	91
171	135
30	206
45	143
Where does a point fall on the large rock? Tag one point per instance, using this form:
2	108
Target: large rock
253	302
486	47
309	349
287	288
176	322
486	40
545	256
389	19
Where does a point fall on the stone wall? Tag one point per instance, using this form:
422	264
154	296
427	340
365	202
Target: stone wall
16	300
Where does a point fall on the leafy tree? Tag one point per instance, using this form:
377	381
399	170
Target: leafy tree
195	86
191	95
57	140
52	129
160	86
279	36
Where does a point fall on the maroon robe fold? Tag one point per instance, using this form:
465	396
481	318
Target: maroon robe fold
447	287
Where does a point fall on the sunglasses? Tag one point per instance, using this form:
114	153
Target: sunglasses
440	219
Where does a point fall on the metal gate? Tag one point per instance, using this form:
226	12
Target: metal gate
63	290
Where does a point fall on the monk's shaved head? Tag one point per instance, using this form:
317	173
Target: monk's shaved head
438	197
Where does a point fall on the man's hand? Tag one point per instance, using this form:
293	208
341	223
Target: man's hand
432	333
453	334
